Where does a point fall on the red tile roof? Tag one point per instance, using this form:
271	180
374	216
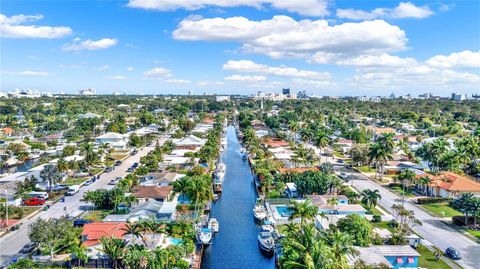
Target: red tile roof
92	232
452	182
153	192
276	143
7	130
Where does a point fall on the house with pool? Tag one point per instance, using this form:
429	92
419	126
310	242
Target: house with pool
390	256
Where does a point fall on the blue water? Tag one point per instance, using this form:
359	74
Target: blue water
175	241
284	211
235	245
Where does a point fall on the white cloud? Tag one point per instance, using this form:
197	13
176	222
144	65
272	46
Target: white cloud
177	81
12	27
463	59
312	83
117	77
102	68
29	73
403	10
248	66
302	7
245	78
158	72
89	44
130	68
282	36
383	60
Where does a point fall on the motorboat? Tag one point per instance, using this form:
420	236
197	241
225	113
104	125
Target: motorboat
266	243
221	167
204	236
267	225
213	225
245	155
215	197
259	213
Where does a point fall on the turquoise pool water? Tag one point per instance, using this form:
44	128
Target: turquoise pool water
175	241
284	211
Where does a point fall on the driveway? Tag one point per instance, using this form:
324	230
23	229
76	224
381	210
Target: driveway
11	243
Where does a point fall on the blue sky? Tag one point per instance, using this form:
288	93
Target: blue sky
241	46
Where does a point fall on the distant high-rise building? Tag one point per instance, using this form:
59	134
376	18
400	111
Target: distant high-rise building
89	91
459	97
286	91
392	96
190	92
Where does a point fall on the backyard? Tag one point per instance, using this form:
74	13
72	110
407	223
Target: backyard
428	260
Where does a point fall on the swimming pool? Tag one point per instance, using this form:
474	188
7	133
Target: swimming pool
284	210
175	241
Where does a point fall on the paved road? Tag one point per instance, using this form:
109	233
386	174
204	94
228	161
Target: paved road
12	242
432	229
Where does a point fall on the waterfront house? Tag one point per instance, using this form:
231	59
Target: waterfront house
448	185
395	257
114	140
158	193
190	142
92	232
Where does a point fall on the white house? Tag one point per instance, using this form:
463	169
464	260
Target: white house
115	140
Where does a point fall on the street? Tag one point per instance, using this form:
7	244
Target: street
432	229
11	243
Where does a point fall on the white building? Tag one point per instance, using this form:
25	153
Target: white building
89	91
115	140
459	97
222	98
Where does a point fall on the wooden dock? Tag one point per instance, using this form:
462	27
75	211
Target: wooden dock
197	260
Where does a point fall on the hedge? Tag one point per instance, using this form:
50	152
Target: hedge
432	200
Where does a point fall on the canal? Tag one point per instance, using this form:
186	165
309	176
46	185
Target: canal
235	245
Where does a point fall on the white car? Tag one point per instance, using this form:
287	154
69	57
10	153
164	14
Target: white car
343	175
114	181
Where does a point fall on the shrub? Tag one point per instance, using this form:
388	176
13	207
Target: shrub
432	200
376	218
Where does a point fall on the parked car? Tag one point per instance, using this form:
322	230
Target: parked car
134	152
118	163
135	165
88	182
340	161
28	248
81	222
59	187
130	169
38	194
109	169
34	201
453	254
114	181
343	175
73	189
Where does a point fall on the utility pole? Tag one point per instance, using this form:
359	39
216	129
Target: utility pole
6	208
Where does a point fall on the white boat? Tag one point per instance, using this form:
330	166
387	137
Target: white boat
267	225
213	225
259	213
221	167
220	176
215	197
266	243
204	236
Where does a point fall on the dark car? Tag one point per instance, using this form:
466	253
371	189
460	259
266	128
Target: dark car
81	222
28	248
134	153
109	169
135	165
452	253
118	163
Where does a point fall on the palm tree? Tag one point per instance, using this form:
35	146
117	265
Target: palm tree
306	135
114	248
293	127
379	155
342	246
370	198
62	165
423	181
303	210
321	140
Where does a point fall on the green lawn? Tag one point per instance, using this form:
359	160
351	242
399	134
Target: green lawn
96	215
428	260
75	181
441	209
27	210
399	191
373	210
365	169
382	225
96	170
475	233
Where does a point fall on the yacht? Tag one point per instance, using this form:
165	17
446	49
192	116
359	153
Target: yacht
213	225
267	225
259	213
266	243
204	236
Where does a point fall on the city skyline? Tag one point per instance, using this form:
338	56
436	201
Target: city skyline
228	47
